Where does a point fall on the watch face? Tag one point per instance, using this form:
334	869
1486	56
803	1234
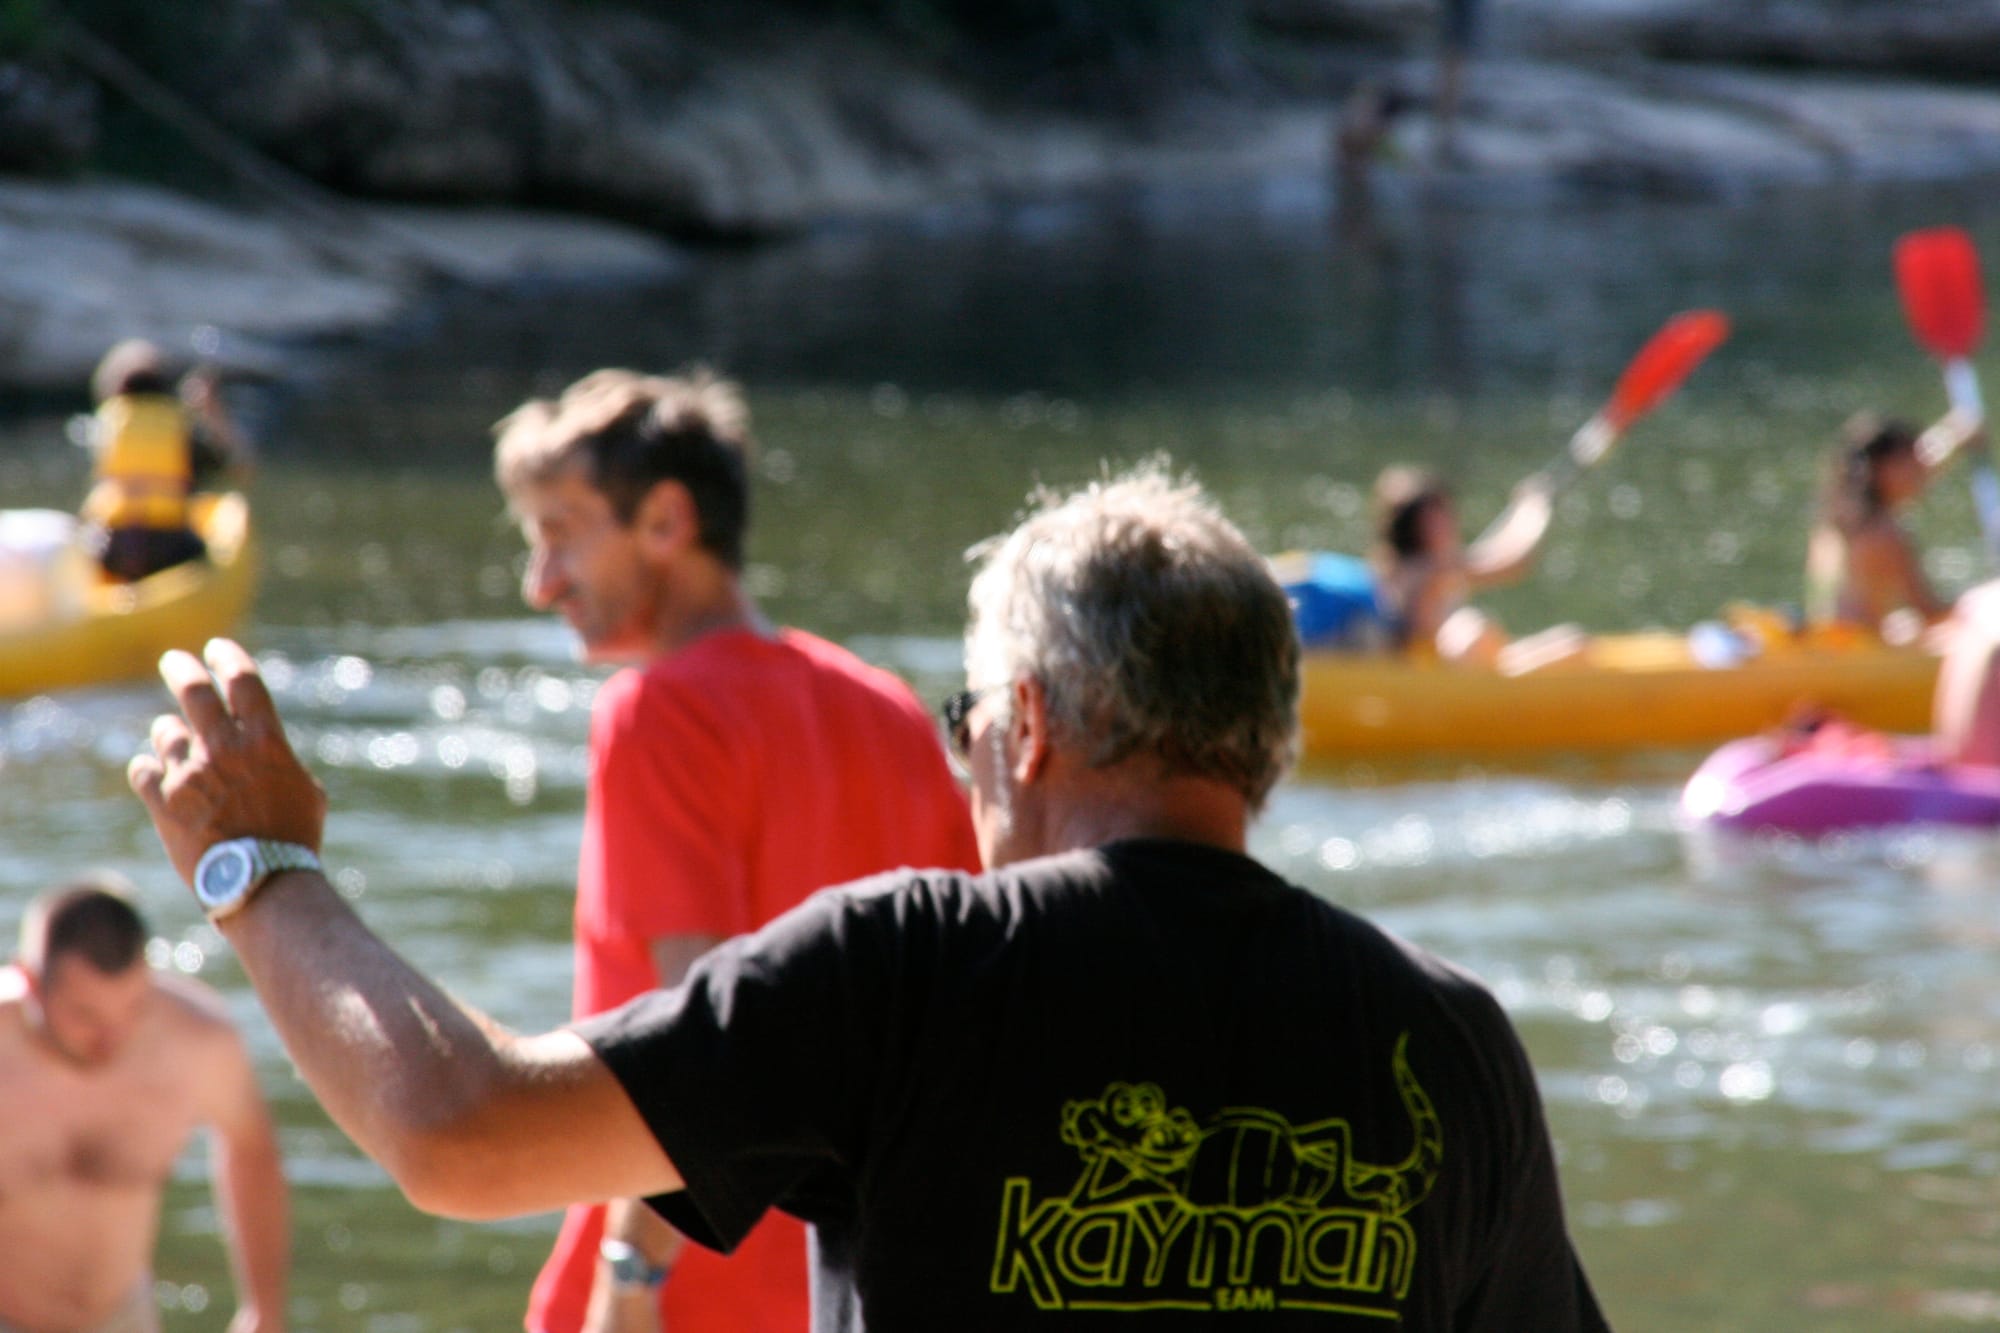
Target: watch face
224	876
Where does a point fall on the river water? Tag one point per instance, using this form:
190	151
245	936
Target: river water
1771	1072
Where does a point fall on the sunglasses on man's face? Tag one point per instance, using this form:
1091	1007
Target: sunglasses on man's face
957	714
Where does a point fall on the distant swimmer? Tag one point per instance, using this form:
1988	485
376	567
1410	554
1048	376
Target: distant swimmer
107	1068
1458	34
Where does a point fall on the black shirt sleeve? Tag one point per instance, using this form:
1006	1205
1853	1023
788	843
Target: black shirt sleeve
1530	1276
755	1074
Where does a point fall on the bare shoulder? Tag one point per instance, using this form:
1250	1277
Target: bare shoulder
194	1011
200	1040
209	1056
13	1004
1882	527
1878	541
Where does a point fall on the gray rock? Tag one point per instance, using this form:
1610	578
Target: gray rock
1928	38
115	261
774	122
764	120
48	118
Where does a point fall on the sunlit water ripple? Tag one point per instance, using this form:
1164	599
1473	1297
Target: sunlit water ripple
1769	1066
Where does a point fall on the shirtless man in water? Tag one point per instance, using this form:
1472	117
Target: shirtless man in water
106	1069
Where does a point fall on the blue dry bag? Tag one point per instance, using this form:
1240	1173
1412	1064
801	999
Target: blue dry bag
1333	601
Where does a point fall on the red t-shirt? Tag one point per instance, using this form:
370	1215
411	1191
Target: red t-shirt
727	782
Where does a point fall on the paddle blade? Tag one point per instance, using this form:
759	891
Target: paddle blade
1937	273
1666	359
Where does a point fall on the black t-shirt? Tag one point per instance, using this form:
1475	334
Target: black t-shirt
1152	1077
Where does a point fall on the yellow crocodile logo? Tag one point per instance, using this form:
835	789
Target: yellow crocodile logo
1243	1212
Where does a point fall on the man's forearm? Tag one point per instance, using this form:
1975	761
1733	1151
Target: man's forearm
461	1112
249	1183
370	1033
616	1308
398	1064
633	1306
635	1223
458	1110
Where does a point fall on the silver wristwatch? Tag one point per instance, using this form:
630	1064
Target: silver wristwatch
629	1266
229	872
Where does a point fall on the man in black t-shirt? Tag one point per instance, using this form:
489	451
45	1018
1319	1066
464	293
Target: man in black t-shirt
1128	1073
1146	1077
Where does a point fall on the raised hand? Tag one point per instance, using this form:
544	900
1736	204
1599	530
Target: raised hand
222	768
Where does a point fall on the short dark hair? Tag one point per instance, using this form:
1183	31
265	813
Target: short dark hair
132	366
1402	495
91	918
1851	494
632	431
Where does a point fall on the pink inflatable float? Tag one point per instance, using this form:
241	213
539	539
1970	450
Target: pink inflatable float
1837	778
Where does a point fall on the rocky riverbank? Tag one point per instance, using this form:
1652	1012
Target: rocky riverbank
703	132
89	263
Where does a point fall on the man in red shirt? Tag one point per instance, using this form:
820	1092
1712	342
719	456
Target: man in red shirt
735	767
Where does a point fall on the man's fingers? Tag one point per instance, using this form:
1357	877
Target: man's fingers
147	776
171	739
242	687
189	682
173	746
144	775
224	768
241	702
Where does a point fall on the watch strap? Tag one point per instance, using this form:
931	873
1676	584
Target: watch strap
278	856
629	1265
265	858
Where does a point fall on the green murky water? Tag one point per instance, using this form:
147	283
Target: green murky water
1771	1076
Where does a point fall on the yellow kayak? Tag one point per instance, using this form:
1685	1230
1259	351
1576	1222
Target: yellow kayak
1626	692
120	630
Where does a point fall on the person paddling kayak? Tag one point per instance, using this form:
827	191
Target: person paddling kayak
1861	566
1425	572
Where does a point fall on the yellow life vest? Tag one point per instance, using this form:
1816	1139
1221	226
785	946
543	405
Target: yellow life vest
145	464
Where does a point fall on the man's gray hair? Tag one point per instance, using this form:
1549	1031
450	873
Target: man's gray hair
1152	626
